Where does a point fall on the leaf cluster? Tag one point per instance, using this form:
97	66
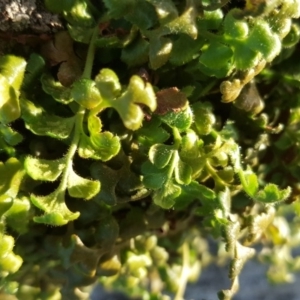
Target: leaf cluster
121	152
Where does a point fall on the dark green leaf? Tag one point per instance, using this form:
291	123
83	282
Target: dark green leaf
159	51
109	179
106	233
136	53
34	69
160	155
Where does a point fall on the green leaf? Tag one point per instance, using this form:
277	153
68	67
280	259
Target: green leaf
182	120
165	197
204	118
249	182
43	169
41	123
105	145
182	173
185	23
216	59
13	69
160	155
108	84
7	244
54	88
117	9
180	54
199	191
216	55
106	233
136	53
9	262
102	146
263	40
244	57
94	124
190	144
11	174
85	148
80	34
154	178
211	20
86	93
10	136
159	51
34	69
9	101
109	179
79	187
165	10
128	104
18	216
79	14
6	203
272	194
56	211
152	133
194	191
142	15
234	25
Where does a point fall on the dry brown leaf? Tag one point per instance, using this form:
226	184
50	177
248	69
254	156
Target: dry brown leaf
60	52
170	99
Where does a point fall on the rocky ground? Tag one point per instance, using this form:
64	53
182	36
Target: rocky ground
253	286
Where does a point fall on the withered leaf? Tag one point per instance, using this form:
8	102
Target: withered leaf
60	52
170	99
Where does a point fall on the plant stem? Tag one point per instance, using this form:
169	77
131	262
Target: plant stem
184	271
177	137
72	150
214	174
87	72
